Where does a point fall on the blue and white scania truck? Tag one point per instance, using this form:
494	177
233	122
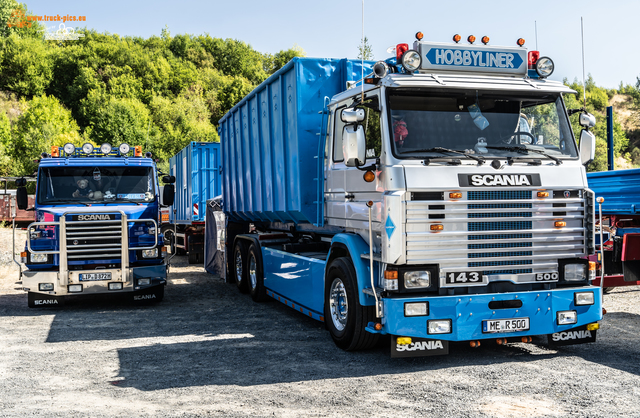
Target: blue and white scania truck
96	226
436	196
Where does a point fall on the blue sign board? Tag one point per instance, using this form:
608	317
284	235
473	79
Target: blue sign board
475	58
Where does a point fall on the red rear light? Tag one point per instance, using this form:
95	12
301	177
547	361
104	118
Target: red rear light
533	58
400	50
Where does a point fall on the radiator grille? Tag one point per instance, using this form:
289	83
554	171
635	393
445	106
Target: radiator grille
97	240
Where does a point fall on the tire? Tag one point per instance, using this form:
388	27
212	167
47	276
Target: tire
255	274
346	319
239	266
607	290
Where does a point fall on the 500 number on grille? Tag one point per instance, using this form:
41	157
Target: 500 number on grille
464	277
546	276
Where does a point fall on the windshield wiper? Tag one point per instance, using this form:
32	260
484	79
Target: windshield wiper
480	160
525	150
66	201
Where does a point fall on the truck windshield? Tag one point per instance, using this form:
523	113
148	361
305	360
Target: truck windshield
95	184
490	124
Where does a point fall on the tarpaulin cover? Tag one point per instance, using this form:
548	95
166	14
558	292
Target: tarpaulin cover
214	257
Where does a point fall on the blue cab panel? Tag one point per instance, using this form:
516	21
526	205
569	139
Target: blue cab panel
270	141
620	190
197	171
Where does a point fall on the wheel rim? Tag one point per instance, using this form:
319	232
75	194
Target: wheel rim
238	267
339	305
253	278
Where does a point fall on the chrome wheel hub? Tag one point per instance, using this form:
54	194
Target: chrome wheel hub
338	304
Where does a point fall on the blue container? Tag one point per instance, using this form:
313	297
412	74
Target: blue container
620	189
197	171
270	141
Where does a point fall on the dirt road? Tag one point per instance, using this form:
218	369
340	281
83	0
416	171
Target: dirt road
207	350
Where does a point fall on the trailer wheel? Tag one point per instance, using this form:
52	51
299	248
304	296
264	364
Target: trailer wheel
240	266
255	274
346	319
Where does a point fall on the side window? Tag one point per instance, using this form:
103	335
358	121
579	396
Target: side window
371	127
337	136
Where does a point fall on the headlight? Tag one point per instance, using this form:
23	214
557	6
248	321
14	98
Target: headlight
75	288
417	279
45	287
575	272
87	148
105	148
439	326
583	298
124	149
411	60
115	286
150	253
69	148
416	309
567	317
544	66
38	258
144	281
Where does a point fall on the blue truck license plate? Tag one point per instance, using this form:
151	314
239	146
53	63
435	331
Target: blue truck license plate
505	325
90	277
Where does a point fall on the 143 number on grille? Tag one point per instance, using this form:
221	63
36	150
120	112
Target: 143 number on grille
464	277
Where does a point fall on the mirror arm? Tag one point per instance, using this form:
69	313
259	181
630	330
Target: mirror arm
373	166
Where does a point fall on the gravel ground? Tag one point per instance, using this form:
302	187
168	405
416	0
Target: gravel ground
207	350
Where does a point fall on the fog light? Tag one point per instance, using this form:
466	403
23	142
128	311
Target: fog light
144	282
38	258
439	326
45	287
150	253
416	309
75	288
567	317
417	279
403	340
575	272
593	327
583	298
115	286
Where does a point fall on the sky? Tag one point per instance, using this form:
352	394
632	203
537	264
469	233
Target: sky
333	28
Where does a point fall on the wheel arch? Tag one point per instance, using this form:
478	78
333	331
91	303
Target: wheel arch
352	246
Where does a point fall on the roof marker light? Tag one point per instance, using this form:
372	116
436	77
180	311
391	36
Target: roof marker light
419	36
471	39
87	148
520	41
456	38
485	40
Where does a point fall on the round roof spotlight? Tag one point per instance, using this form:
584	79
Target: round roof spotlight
380	69
124	149
148	154
485	40
471	39
544	67
520	42
87	148
419	36
411	61
456	38
69	148
105	148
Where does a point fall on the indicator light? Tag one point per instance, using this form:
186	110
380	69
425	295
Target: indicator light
368	176
485	40
520	41
592	265
437	227
456	38
471	39
55	151
138	151
474	344
543	194
560	224
377	326
390	275
419	36
455	195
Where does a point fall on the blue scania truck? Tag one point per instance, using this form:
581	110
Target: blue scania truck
438	196
96	227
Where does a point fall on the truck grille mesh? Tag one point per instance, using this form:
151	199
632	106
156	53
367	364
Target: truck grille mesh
97	240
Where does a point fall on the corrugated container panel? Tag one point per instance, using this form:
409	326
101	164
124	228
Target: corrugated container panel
197	171
620	189
270	141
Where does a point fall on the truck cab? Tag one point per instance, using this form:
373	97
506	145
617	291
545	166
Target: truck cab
96	228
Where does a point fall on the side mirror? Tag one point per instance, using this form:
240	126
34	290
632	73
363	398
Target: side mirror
351	115
587	146
169	179
168	194
21	198
354	145
587	120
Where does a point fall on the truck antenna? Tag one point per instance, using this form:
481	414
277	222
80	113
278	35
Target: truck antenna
535	24
362	57
584	88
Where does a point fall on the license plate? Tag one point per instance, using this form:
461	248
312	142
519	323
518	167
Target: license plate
505	325
88	277
464	277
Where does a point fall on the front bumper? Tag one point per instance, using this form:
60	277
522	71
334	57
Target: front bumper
31	279
467	313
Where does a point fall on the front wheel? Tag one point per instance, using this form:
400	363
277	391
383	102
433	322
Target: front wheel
346	319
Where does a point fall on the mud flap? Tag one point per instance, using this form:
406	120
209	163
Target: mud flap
149	295
419	347
578	335
42	300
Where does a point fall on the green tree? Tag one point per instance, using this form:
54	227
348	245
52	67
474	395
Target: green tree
26	66
5	144
365	52
273	63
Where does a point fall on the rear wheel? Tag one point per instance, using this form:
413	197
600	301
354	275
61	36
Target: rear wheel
255	274
239	266
346	319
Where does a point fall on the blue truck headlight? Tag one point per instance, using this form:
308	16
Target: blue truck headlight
439	326
144	281
38	258
416	309
575	272
567	317
150	253
417	279
45	287
583	298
